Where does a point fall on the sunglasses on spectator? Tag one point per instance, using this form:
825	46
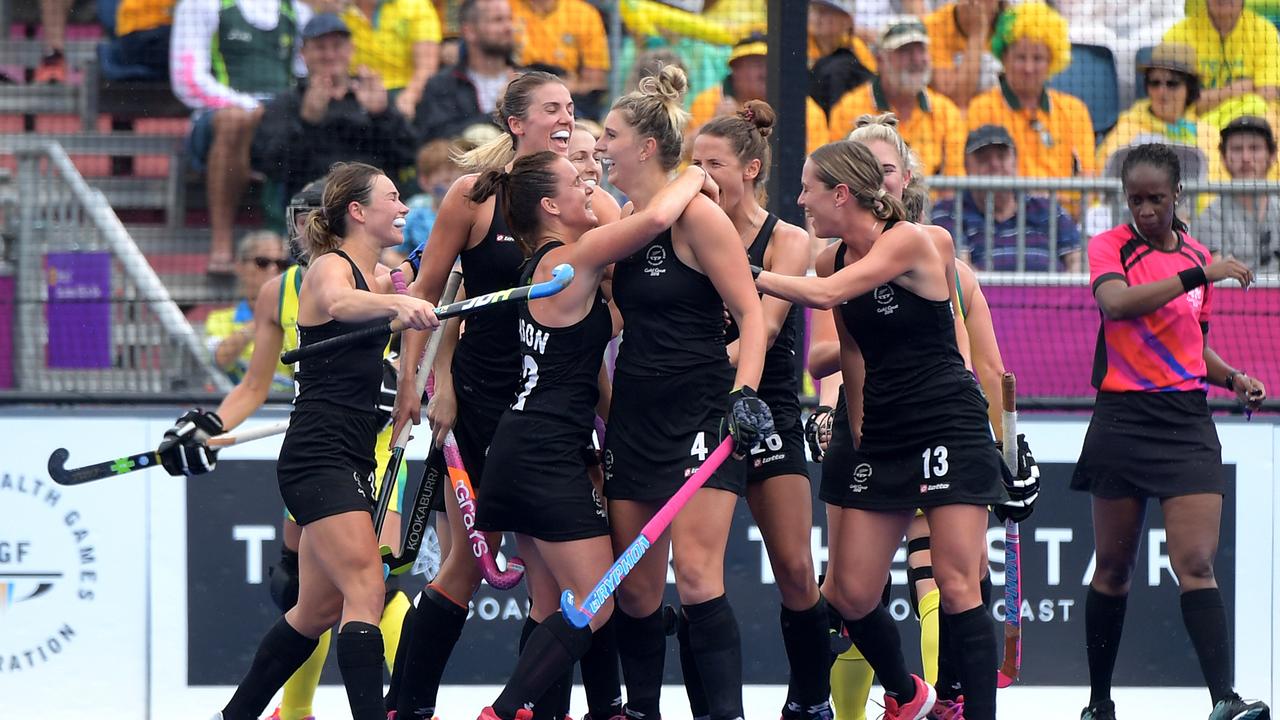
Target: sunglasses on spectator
263	263
1171	83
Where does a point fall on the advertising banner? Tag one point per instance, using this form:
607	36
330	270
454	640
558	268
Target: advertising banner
79	310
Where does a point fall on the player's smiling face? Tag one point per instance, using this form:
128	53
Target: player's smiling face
620	150
548	123
383	216
819	202
582	153
573	198
715	155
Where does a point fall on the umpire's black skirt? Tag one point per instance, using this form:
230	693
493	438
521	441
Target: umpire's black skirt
1150	444
661	429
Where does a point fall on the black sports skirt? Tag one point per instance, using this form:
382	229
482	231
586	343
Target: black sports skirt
660	431
327	462
1150	444
536	481
783	452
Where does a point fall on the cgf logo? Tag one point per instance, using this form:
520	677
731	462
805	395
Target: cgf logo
1195	298
48	566
655	256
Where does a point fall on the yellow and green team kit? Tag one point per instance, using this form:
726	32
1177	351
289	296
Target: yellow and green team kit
300	690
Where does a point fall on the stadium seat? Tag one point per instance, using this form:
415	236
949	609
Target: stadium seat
1140	82
1195	166
1092	78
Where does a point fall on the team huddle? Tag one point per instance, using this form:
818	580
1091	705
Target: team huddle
702	408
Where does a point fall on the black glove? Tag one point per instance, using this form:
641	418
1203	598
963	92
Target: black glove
387	393
184	450
1023	488
748	420
817	431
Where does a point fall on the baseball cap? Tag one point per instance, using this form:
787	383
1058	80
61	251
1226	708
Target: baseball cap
1253	124
324	24
754	44
844	6
903	32
986	136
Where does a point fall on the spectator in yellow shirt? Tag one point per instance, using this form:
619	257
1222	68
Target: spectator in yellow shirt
748	80
140	48
1238	55
929	122
960	48
229	331
1052	130
839	60
567	36
1167	113
399	40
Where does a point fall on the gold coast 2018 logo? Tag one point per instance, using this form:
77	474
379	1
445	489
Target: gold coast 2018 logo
47	568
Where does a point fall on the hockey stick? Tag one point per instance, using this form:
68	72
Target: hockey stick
1012	665
561	276
649	534
392	472
125	465
466	494
420	513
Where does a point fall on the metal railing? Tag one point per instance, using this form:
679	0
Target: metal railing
90	315
1101	197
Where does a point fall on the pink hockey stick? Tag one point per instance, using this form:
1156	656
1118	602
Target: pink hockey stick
501	579
649	534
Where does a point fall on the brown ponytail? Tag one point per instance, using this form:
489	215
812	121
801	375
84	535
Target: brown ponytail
519	194
346	183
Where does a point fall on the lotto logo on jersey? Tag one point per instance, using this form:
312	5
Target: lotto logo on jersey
500	237
655	257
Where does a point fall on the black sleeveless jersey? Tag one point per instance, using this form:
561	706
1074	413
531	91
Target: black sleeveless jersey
349	377
561	365
917	389
781	376
488	354
673	316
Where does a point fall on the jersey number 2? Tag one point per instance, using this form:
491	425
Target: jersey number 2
938	466
529	380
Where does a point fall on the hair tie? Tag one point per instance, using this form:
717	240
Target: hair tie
880	194
749	115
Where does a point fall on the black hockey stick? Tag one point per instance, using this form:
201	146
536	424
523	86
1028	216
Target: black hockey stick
402	440
125	465
561	276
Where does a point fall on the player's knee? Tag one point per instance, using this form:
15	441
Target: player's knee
853	598
957	589
284	580
794	575
1194	568
1112	575
699	581
313	615
639	596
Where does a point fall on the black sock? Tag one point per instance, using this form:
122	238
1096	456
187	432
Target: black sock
948	684
281	652
1103	624
1206	621
360	660
805	637
397	670
717	651
642	650
877	639
553	646
837	637
974	646
436	632
600	678
698	706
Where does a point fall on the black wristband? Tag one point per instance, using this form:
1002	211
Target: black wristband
1230	381
1192	278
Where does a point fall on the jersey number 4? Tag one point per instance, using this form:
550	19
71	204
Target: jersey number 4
935	462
